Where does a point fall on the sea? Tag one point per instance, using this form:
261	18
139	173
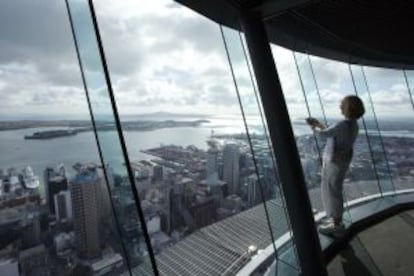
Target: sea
17	152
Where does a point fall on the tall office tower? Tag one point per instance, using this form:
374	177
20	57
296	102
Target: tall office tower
212	163
231	167
31	233
83	188
158	173
104	203
54	184
253	190
63	206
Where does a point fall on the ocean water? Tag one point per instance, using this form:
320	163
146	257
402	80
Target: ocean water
17	152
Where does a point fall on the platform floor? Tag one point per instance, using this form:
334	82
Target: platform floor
383	249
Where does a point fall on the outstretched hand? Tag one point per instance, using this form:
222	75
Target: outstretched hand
313	123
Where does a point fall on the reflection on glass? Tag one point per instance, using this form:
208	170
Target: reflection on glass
192	160
373	134
121	190
391	100
409	81
263	167
299	109
55	210
335	82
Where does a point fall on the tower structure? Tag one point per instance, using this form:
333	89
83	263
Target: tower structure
231	167
84	190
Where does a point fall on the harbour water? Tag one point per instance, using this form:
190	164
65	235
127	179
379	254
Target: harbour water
17	152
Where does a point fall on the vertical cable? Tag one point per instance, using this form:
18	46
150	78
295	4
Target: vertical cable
317	91
378	128
269	144
85	87
248	138
121	139
410	93
307	105
366	134
266	133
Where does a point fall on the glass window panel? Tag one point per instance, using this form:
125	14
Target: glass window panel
49	198
123	192
335	82
374	138
409	81
299	110
391	100
263	160
186	139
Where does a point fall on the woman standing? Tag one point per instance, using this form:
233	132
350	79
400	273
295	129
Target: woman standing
337	156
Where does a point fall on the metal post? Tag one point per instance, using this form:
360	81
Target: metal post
284	147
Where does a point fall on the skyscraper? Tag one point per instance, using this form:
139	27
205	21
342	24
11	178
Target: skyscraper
158	173
212	163
55	182
253	190
231	167
84	188
63	205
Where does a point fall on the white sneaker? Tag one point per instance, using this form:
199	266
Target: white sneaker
332	229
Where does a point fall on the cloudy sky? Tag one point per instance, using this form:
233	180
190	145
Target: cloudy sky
161	57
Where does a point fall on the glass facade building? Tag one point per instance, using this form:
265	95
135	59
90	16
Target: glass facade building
169	137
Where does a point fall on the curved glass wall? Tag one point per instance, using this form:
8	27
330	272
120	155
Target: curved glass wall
391	99
335	82
299	109
56	215
260	146
106	125
165	167
195	138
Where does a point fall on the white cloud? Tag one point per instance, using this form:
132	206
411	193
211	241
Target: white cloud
161	56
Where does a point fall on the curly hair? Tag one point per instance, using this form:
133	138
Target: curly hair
352	107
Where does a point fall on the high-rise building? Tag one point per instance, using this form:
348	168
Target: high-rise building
63	206
31	230
34	259
84	188
158	173
55	182
231	167
253	190
212	166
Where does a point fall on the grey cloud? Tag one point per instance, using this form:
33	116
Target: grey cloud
33	31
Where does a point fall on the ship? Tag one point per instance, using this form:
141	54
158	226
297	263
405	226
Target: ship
48	134
31	181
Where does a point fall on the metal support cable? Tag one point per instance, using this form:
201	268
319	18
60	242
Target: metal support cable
266	133
104	168
410	93
130	173
366	133
248	138
317	91
307	106
378	128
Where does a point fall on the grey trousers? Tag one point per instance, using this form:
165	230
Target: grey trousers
333	176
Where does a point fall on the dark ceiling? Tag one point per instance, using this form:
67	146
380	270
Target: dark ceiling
372	32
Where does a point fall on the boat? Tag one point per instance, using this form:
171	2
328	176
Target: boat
48	134
31	181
